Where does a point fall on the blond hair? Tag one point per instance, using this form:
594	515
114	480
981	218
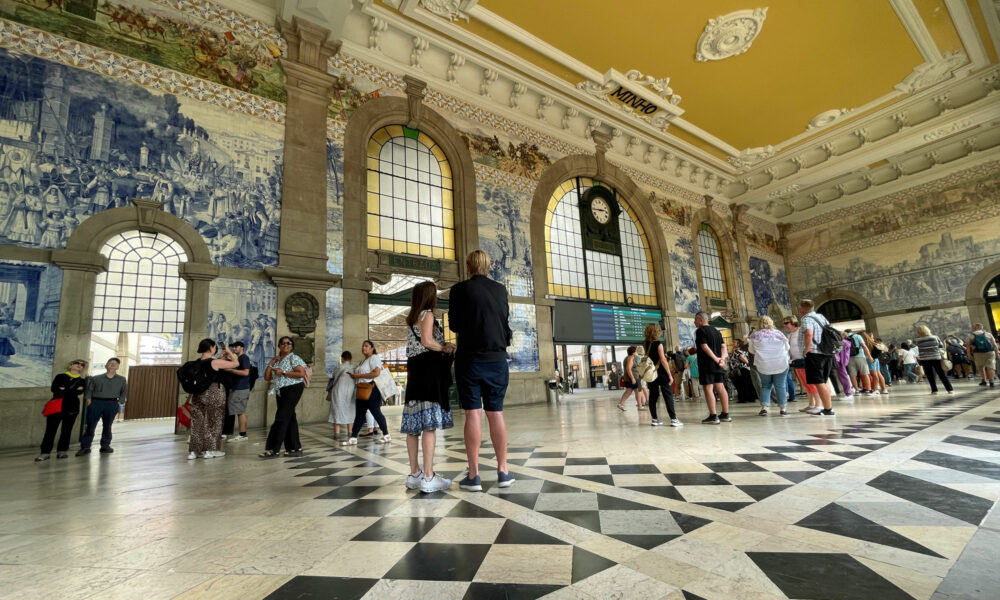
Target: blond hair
765	322
806	304
652	332
923	331
77	360
477	263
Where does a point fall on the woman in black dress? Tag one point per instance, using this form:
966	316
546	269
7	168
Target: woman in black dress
68	386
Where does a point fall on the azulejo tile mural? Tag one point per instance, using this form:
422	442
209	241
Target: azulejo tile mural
75	143
523	351
942	323
334	206
199	38
685	332
334	327
29	311
503	235
244	311
925	270
770	285
683	274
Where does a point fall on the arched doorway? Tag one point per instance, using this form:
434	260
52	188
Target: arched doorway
843	314
138	317
992	297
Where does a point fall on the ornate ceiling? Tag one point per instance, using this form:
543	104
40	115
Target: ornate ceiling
791	108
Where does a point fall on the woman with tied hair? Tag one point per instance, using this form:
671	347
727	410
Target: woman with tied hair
68	386
287	373
929	349
208	409
664	381
770	349
428	368
341	390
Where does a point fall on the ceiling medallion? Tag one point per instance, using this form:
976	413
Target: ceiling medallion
826	118
730	34
639	96
447	9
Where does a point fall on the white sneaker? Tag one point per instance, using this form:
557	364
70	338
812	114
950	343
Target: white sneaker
805	409
385	440
814	410
413	481
676	423
237	438
192	456
848	398
876	393
349	442
224	436
657	423
434	484
213	454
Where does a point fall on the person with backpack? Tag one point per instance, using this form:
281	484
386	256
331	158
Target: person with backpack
238	394
858	367
712	359
819	342
875	364
287	374
959	358
663	383
982	347
203	379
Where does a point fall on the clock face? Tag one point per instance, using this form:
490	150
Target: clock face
601	211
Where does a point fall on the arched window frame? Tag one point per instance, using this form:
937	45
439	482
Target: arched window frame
564	251
712	265
410	188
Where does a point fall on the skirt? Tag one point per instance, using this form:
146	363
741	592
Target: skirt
425	416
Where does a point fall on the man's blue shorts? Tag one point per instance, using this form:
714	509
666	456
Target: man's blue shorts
482	385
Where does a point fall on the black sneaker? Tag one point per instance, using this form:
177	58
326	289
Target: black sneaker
991	385
725	417
711	420
983	383
783	413
83	451
107	449
762	413
827	412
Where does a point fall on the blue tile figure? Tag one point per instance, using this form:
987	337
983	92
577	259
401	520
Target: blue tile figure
29	312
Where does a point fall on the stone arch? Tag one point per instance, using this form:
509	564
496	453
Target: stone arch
867	312
974	293
584	165
727	248
82	260
372	116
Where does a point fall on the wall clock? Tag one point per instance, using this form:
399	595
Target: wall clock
599	212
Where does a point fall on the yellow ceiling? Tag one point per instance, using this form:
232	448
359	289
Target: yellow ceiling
810	57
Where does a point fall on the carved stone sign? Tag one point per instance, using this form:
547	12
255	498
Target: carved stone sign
411	263
301	312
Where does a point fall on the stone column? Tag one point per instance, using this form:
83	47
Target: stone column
73	331
199	277
302	254
745	282
783	251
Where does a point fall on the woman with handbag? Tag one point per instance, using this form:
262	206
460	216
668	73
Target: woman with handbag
341	394
62	409
367	394
427	408
286	372
663	384
931	350
208	408
739	372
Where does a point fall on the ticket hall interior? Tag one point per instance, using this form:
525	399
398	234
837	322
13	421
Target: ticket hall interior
797	202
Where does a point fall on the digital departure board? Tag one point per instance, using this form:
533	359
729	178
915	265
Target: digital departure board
591	322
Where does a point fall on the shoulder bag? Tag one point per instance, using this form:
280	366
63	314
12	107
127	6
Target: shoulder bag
364	390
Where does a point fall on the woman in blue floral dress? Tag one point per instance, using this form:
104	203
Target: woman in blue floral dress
428	368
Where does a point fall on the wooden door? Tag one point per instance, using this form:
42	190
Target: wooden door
152	392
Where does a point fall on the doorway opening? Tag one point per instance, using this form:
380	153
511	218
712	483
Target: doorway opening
992	296
139	308
843	314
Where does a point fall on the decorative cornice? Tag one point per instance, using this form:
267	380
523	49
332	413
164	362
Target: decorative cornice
751	156
929	73
452	10
827	118
649	92
730	35
505	179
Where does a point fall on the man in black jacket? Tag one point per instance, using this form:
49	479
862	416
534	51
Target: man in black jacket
478	314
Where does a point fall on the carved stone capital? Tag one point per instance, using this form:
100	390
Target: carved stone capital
146	211
602	140
191	271
308	43
74	260
307	81
416	89
301	278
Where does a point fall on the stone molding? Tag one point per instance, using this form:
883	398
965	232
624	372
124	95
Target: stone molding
77	260
309	279
190	271
308	43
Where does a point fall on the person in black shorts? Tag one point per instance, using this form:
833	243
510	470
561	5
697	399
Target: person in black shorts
712	357
478	314
819	366
631	383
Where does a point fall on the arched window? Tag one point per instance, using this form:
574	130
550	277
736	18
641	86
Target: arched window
141	292
577	272
992	297
713	270
410	204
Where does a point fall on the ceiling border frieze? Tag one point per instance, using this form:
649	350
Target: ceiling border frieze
504	178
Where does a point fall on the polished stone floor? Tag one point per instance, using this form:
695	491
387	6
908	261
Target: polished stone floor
894	497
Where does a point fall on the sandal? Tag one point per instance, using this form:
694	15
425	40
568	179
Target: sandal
294	452
267	454
621	408
384	440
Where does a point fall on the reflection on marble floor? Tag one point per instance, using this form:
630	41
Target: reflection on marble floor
892	498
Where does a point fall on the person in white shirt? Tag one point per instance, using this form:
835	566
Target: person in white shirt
770	349
909	363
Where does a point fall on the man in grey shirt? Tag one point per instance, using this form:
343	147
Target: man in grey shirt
103	394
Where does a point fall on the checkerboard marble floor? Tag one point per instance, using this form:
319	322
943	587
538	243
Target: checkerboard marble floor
893	497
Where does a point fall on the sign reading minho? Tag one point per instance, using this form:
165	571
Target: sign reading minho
637	103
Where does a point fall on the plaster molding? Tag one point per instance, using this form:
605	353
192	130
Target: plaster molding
455	62
489	78
962	18
568	115
452	10
929	73
516	92
751	156
914	24
308	43
543	104
652	90
991	12
950	129
378	28
730	35
76	260
419	46
827	118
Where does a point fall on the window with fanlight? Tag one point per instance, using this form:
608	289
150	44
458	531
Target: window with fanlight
713	270
141	292
410	202
577	272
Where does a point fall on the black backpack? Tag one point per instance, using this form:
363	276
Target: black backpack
831	341
855	346
194	378
254	374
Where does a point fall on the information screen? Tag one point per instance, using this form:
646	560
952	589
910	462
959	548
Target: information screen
590	322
